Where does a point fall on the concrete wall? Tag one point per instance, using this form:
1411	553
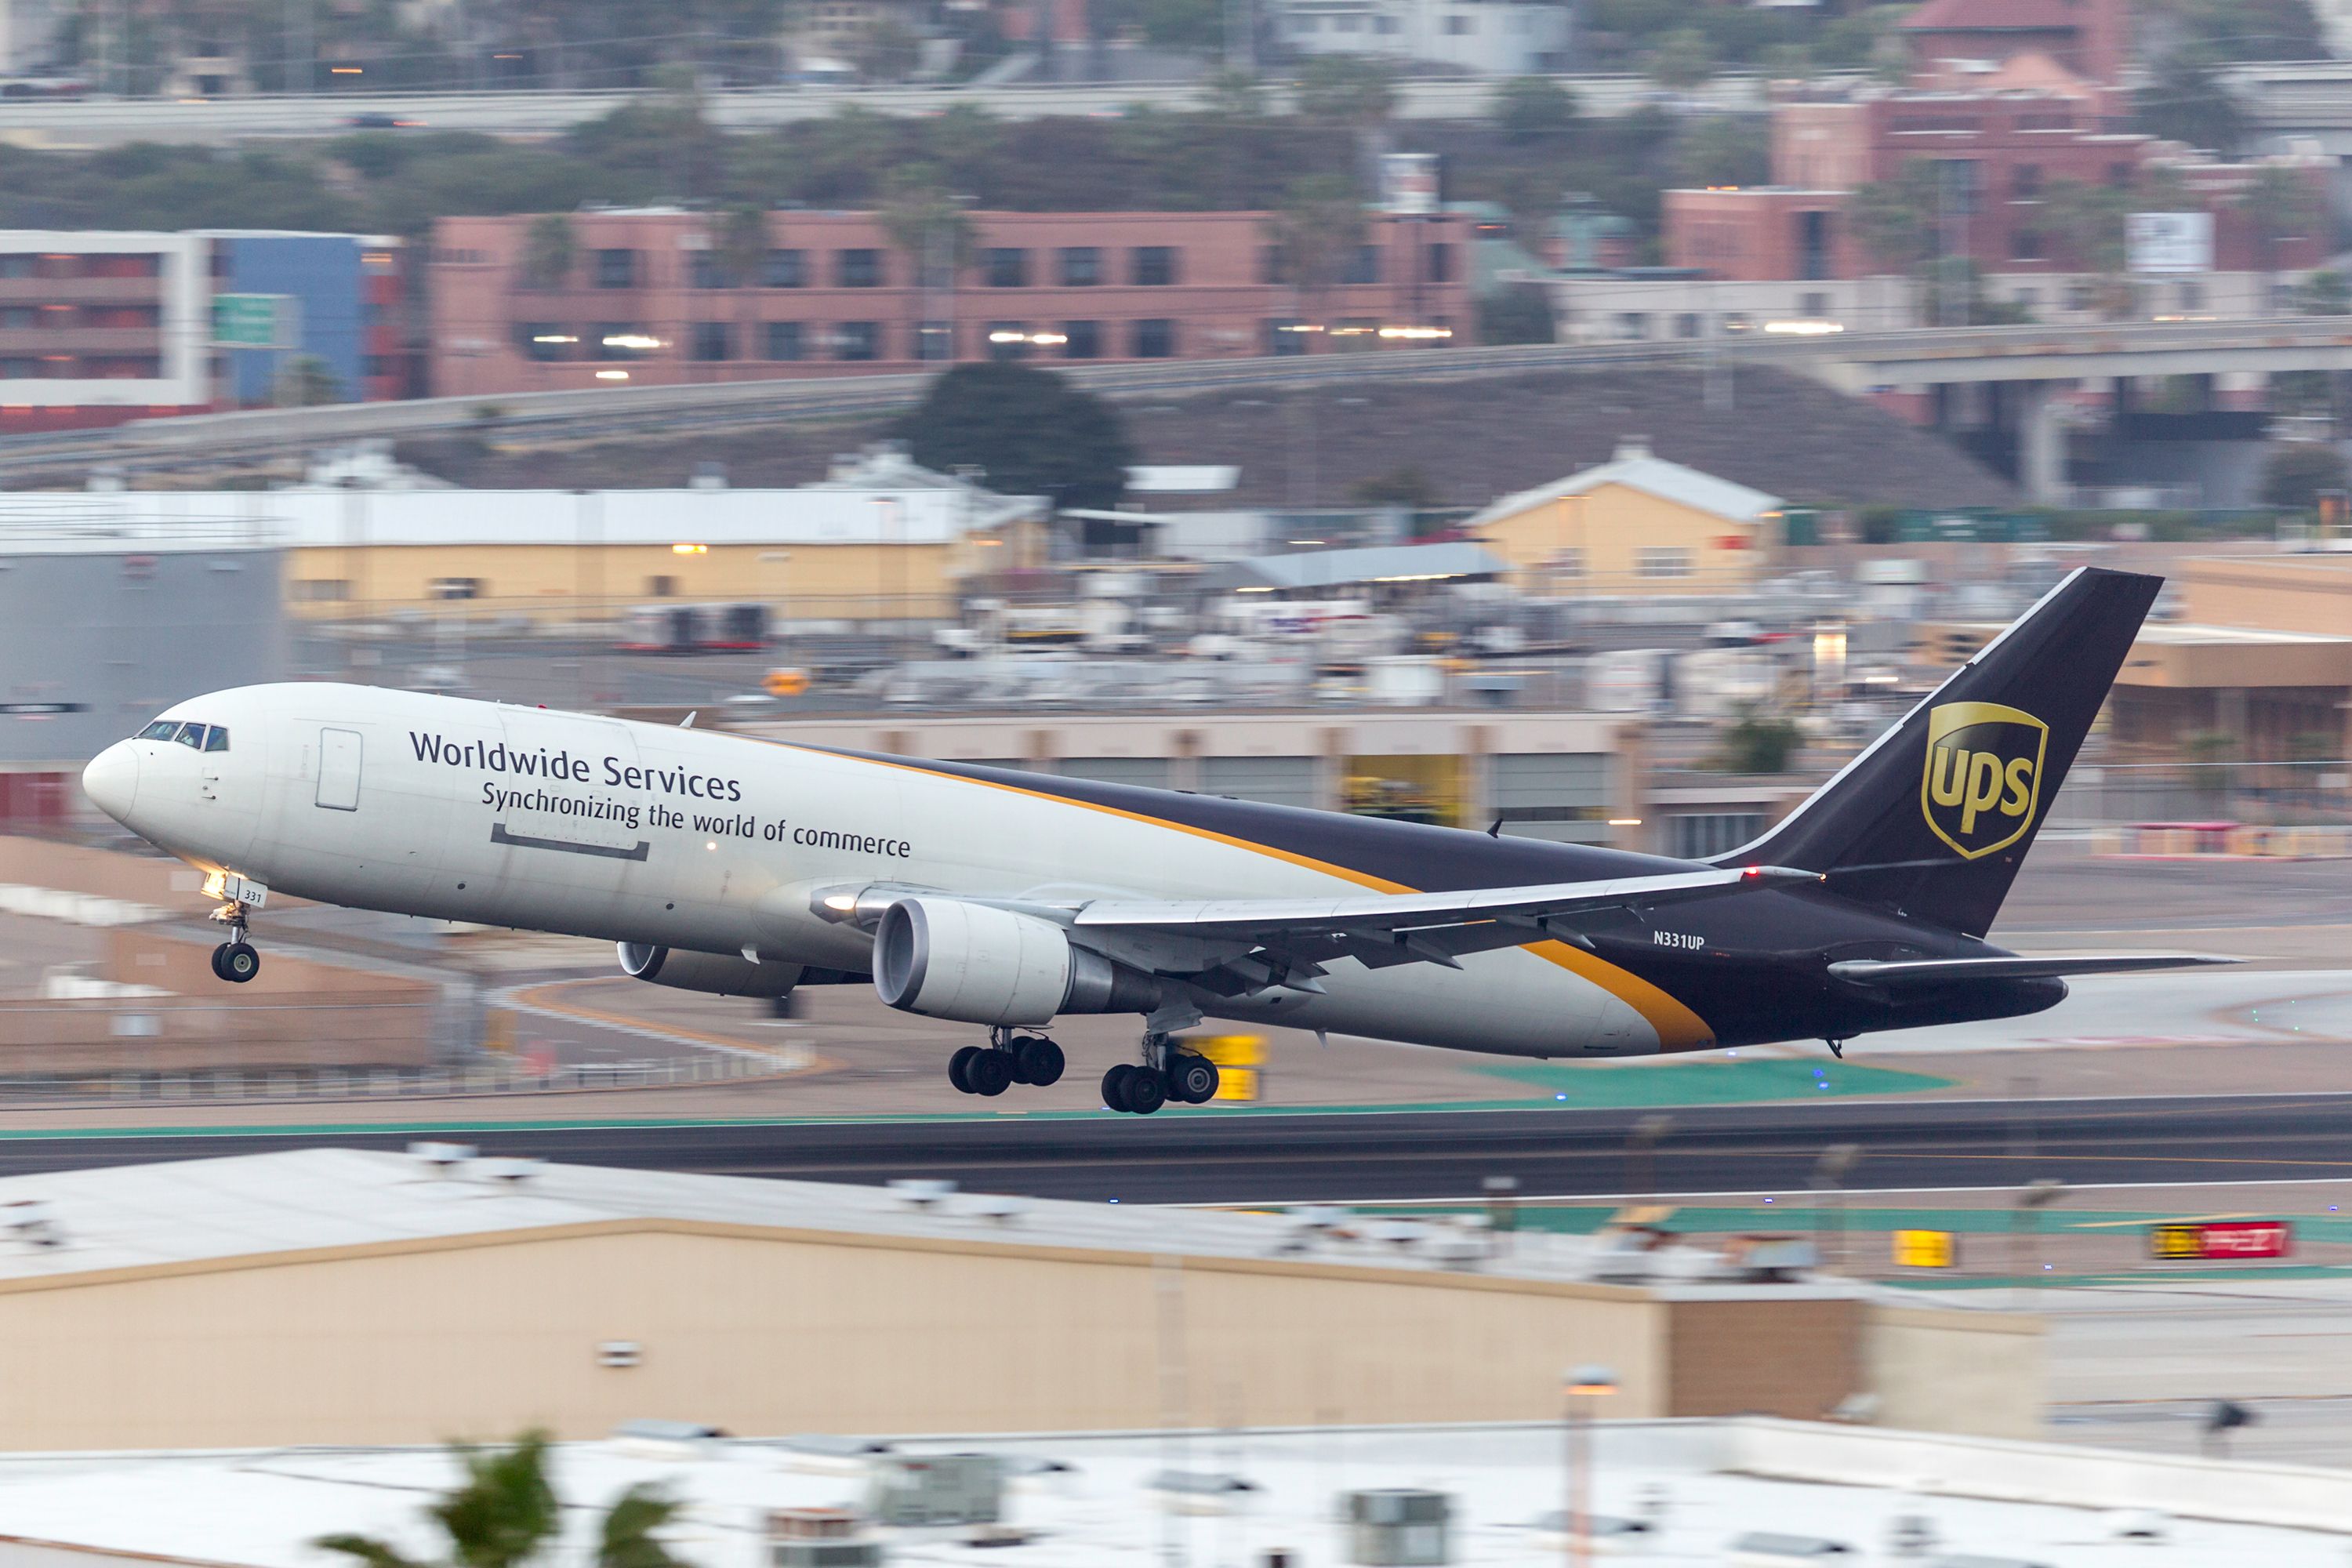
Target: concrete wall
768	1330
1942	1370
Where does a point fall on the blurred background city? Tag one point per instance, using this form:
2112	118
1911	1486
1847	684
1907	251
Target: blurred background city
1592	421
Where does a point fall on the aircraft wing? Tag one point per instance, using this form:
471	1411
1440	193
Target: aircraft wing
1381	929
1898	972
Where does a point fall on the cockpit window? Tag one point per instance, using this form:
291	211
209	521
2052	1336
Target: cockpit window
216	739
160	730
192	736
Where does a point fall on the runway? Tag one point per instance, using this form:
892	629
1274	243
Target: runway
1237	1157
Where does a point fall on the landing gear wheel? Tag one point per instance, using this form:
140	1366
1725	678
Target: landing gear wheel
1037	1061
990	1072
1114	1086
1147	1092
236	962
1192	1080
219	973
959	1069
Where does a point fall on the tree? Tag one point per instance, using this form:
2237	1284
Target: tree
550	248
1758	744
1318	229
305	383
1406	487
742	252
2187	100
1356	91
1682	59
1895	218
1031	431
1532	109
1236	96
505	1512
1723	149
2282	204
1518	314
2327	293
2295	472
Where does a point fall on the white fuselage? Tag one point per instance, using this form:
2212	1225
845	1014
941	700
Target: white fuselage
459	810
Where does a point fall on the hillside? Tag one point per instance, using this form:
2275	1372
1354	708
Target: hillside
1469	441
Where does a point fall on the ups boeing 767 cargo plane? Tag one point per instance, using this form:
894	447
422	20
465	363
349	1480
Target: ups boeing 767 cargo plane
1005	899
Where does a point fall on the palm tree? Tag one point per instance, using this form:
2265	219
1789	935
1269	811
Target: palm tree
1319	226
505	1512
550	246
932	230
2281	205
742	251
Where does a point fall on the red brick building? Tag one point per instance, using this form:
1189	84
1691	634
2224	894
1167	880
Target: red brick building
2004	160
650	299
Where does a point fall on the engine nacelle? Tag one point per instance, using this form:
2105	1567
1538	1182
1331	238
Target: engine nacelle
719	973
944	958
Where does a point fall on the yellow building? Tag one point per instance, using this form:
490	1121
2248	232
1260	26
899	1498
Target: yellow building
1635	524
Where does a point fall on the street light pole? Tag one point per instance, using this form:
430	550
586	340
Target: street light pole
1582	1383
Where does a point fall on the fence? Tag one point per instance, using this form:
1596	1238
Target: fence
2306	794
233	1085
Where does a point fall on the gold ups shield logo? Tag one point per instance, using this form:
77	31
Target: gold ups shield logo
1983	775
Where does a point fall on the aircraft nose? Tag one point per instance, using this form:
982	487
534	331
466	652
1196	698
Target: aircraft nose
112	779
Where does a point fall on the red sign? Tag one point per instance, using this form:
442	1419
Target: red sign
2228	1239
2248	1238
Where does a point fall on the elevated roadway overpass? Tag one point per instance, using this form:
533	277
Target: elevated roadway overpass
2033	360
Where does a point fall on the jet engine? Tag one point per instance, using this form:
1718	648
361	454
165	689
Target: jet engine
720	974
975	964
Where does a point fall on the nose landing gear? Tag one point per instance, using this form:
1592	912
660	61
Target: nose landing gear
237	960
1008	1058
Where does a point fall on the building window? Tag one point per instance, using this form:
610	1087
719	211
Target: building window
2192	296
934	341
2025	182
19	369
546	342
617	269
1005	268
1686	324
456	588
1081	340
1662	560
1274	264
1008	340
705	270
785	269
1567	561
713	340
661	587
19	317
1363	266
1814	307
323	590
1285	336
1302	24
1384	23
1347	24
784	341
1155	338
1151	266
2024	245
858	339
1457	26
1441	263
18	264
1633	325
857	269
1081	266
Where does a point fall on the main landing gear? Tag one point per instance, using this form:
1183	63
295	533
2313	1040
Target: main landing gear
1008	1058
1167	1072
236	959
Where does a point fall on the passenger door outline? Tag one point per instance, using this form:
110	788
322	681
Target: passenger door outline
339	769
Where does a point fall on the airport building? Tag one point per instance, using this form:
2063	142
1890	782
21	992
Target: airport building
113	608
346	296
656	296
342	1296
1637	524
880	538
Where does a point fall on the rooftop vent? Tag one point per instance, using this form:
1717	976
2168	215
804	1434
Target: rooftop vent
442	1158
922	1196
33	1222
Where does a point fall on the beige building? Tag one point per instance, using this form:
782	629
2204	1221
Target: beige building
335	1296
1634	525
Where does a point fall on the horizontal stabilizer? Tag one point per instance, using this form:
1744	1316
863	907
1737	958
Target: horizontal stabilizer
1943	970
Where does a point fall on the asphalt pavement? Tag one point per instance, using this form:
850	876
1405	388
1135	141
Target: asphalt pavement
1215	1155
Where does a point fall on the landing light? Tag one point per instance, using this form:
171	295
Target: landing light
841	902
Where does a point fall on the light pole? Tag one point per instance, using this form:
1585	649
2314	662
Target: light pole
1829	1173
1582	1384
780	635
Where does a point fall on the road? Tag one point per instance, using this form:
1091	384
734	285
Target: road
1226	1157
108	121
1856	358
